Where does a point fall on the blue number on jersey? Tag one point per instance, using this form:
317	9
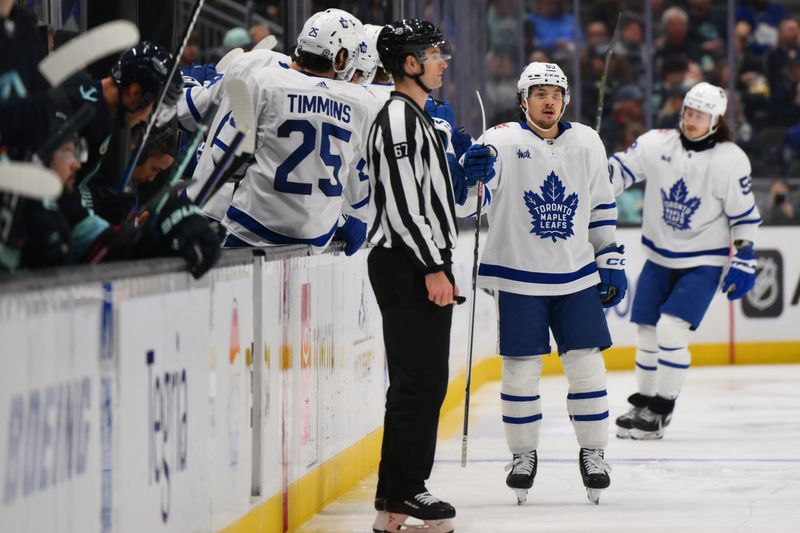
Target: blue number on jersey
329	187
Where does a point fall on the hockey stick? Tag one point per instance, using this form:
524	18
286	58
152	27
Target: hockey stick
474	294
154	115
245	140
601	95
267	43
227	59
98	42
30	180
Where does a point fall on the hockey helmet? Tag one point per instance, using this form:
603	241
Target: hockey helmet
146	64
373	31
367	59
708	99
326	33
542	74
408	36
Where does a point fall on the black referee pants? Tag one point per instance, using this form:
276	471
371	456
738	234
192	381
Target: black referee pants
416	333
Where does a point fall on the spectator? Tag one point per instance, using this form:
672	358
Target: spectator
674	70
630	47
596	34
674	40
670	113
626	109
234	38
592	63
762	18
708	29
787	48
258	33
554	28
785	98
191	54
780	210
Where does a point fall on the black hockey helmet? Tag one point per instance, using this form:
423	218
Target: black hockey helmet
408	36
146	64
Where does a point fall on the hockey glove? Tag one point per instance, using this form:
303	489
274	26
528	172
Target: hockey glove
741	274
479	164
440	109
353	232
459	180
611	267
184	231
461	141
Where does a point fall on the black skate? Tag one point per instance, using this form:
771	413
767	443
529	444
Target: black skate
594	471
379	526
436	514
523	470
649	424
625	422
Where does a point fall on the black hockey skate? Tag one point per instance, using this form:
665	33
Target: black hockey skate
523	470
379	526
436	514
625	422
649	424
594	471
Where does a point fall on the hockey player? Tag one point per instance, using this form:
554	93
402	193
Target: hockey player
552	262
413	231
311	128
697	199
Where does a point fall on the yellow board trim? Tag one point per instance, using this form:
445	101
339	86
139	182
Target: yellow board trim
312	492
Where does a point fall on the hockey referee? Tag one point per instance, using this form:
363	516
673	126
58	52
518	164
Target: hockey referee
413	231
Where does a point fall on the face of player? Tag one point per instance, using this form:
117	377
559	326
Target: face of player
435	65
153	165
65	163
545	103
695	123
131	97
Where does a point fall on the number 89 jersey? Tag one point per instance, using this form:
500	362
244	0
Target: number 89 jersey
310	133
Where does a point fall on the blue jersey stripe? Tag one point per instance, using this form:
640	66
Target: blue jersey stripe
599	223
665	349
671	364
192	108
647	351
521	420
267	234
648	368
676	255
743	214
361	203
625	168
754	221
512	398
612	205
589	418
219	144
586	395
525	276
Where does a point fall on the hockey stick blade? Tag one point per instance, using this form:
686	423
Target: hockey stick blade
30	180
223	64
85	49
267	43
242	111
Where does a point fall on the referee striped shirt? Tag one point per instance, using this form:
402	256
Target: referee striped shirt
412	205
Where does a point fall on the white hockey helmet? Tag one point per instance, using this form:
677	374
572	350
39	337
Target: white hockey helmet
543	74
708	99
326	33
367	59
373	31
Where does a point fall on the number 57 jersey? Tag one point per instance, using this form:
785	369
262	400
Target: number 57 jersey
310	133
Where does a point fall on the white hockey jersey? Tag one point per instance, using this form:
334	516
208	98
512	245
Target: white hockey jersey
550	208
309	142
243	67
695	203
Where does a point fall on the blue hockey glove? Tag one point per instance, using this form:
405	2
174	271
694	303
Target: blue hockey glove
611	267
479	164
741	274
458	178
353	232
461	141
201	73
440	109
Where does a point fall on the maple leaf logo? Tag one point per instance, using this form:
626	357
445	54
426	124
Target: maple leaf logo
678	207
551	212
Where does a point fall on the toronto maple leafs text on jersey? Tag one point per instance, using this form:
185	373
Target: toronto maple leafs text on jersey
695	203
412	204
550	207
309	141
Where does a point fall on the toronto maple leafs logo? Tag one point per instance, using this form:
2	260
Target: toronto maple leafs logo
523	155
551	212
678	207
